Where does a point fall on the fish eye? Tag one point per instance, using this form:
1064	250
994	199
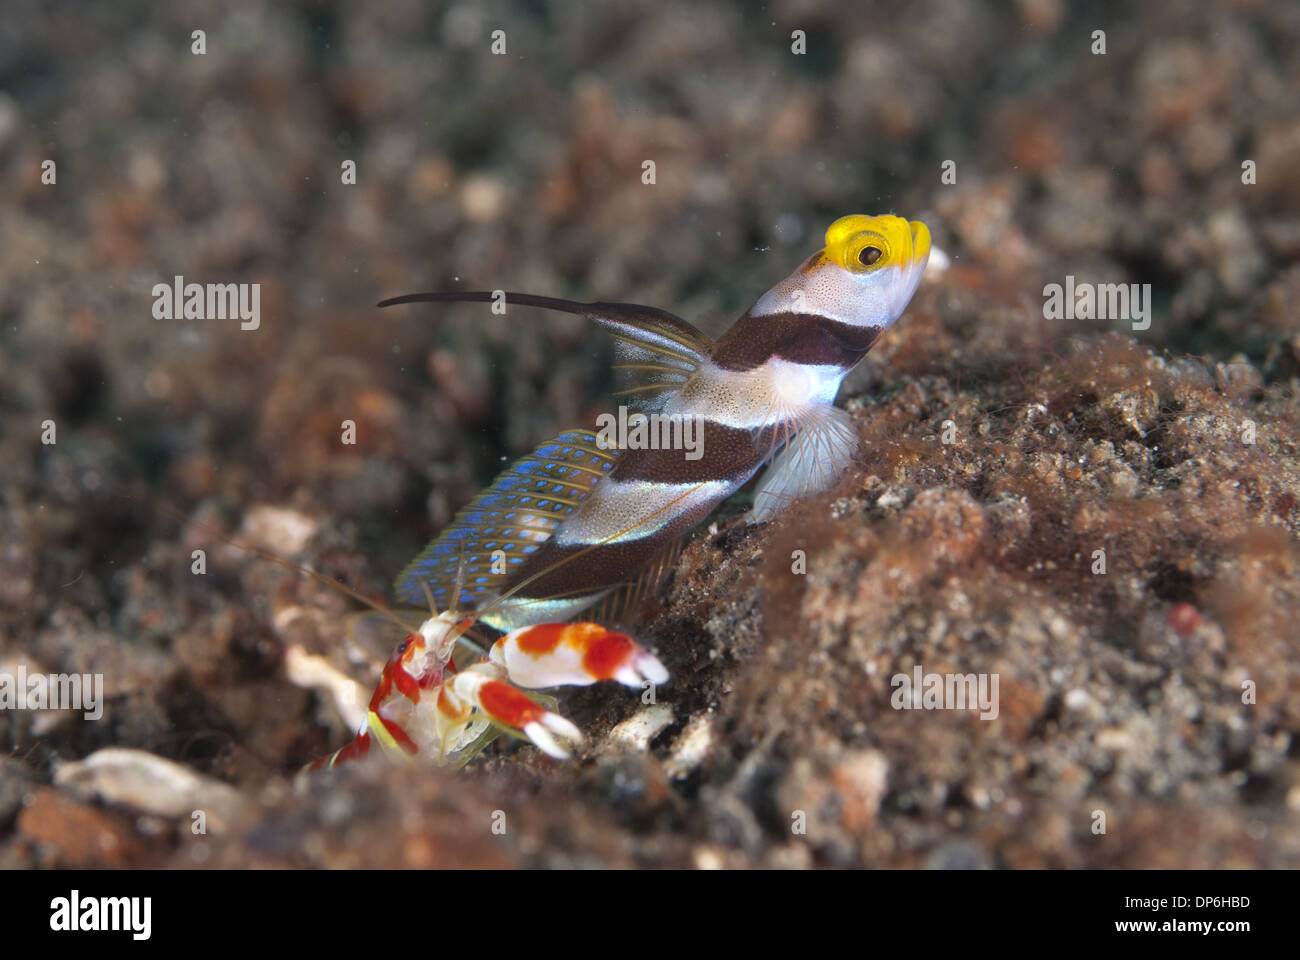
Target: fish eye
869	255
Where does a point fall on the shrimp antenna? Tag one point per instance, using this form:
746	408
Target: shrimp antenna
428	595
289	565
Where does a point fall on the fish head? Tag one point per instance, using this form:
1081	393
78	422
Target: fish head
865	275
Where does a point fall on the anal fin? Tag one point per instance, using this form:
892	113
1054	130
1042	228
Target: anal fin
623	601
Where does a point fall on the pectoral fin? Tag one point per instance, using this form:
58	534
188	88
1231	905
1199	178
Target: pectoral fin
812	462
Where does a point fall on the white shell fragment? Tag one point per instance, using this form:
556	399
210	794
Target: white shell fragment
150	784
316	673
691	747
638	730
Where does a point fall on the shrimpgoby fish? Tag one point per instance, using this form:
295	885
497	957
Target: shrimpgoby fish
573	520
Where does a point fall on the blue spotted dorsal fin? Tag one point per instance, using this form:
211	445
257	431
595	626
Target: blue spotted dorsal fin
507	522
657	350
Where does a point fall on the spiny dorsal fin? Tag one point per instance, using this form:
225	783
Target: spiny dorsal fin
659	348
519	512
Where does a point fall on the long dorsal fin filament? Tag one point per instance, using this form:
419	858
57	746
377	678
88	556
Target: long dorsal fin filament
660	345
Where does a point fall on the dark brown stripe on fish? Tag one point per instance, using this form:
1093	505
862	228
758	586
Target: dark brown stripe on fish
727	454
798	337
601	567
739	454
